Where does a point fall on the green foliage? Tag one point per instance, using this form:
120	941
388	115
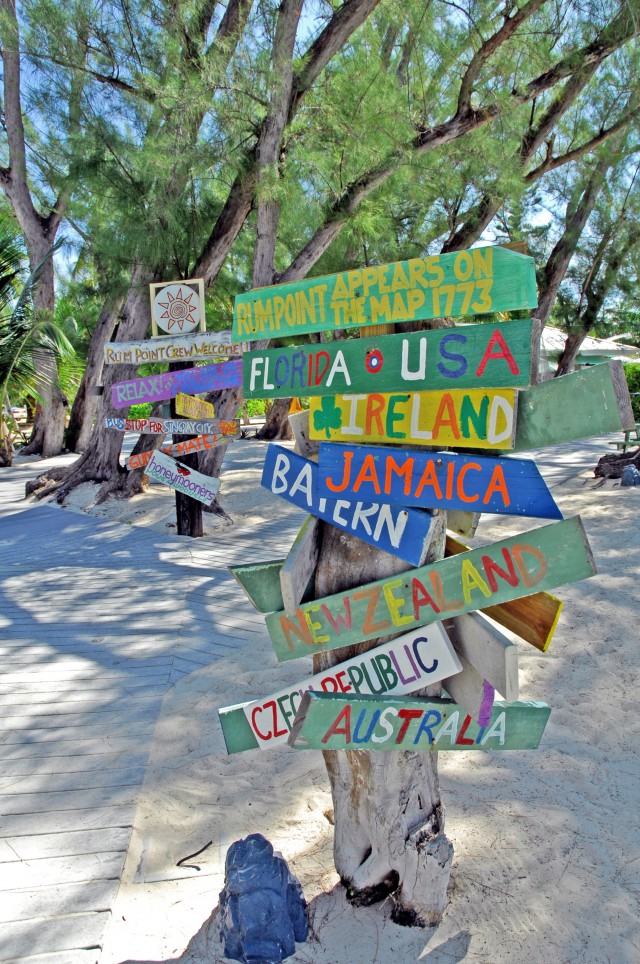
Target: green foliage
143	410
632	373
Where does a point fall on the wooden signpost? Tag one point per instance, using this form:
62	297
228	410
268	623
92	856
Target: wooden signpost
164	469
473	282
172	348
493	656
193	407
300	565
470	387
403	665
538	560
478	356
465	419
178	426
158	388
404	532
441	480
331	721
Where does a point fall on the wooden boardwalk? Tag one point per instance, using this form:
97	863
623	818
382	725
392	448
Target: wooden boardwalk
97	620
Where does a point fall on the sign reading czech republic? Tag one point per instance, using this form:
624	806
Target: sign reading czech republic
473	282
177	307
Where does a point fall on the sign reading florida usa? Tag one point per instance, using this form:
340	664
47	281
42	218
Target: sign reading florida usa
159	388
535	561
404	665
473	282
476	356
467	419
434	480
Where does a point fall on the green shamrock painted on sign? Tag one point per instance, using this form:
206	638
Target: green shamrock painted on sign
329	417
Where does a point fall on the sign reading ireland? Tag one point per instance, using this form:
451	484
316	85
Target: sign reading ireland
473	282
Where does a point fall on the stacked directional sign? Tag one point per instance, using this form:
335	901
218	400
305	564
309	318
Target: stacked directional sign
382	410
178	309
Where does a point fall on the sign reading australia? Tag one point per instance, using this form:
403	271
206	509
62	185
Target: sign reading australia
473	282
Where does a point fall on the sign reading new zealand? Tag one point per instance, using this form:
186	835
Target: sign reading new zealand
473	282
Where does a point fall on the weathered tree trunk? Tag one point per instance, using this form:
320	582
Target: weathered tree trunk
86	403
277	425
389	819
100	460
52	406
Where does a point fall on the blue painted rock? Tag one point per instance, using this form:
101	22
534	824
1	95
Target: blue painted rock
262	909
630	476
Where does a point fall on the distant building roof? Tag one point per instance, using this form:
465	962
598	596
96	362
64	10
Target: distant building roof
591	349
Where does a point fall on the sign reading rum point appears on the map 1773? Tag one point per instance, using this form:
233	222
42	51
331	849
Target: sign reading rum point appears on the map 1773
162	468
177	307
473	282
476	356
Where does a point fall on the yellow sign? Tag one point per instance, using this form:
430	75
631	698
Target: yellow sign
192	407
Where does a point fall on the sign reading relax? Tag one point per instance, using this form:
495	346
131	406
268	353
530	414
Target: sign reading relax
537	560
159	388
487	356
473	282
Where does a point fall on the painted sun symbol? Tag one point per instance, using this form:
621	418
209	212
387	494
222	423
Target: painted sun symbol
179	310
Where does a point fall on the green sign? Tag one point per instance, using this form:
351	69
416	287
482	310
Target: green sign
474	282
476	356
531	562
333	721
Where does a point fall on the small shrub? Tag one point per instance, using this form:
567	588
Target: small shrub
140	411
632	373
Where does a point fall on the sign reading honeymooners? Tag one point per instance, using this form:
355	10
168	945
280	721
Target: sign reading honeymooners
198	344
177	426
537	560
434	480
403	665
162	468
473	356
159	388
473	282
327	721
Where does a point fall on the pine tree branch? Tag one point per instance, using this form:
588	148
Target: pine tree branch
488	48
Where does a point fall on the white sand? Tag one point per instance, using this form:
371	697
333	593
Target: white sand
547	842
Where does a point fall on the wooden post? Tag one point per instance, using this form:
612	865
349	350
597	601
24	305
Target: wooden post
188	510
389	820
